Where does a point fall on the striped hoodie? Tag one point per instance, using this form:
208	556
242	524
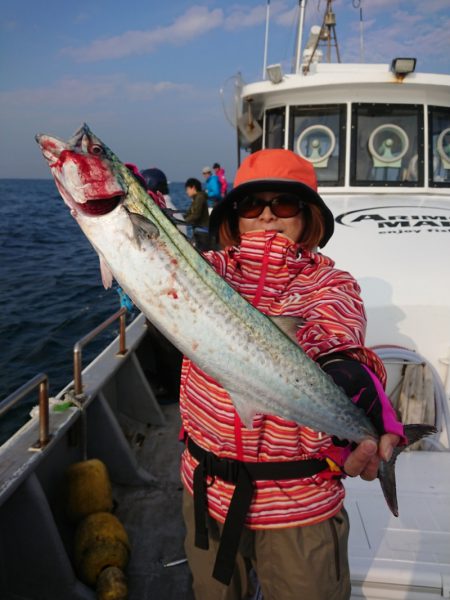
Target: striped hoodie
271	272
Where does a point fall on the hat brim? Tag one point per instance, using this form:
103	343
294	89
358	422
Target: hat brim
307	195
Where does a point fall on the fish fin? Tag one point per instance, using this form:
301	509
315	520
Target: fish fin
289	326
245	411
143	226
386	471
107	277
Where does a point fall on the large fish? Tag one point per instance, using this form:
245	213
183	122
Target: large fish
254	359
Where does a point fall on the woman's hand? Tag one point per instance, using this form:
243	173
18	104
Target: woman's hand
365	458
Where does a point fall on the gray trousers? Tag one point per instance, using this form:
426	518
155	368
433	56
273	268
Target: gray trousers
296	563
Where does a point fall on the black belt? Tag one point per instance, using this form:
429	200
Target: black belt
242	474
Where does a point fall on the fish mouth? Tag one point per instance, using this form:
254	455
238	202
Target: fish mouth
100	206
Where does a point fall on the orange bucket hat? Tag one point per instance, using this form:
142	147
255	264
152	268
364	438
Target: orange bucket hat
273	170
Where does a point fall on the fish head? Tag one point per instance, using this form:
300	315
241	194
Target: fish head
89	177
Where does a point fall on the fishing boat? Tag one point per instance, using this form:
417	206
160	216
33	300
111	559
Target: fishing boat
379	138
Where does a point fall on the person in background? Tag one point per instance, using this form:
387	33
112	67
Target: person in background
272	497
197	214
156	182
155	194
211	187
220	172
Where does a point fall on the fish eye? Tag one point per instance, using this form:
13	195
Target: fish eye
96	149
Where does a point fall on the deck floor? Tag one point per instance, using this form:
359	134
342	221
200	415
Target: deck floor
405	557
152	517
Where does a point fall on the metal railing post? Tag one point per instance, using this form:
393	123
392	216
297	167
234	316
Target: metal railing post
40	380
78	347
122	335
44	416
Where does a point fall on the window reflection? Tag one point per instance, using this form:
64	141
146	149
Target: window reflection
439	128
317	133
387	142
387	145
275	119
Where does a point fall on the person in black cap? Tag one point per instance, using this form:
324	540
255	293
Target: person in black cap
272	496
156	182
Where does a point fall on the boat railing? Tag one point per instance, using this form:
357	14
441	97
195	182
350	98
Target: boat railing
41	381
78	347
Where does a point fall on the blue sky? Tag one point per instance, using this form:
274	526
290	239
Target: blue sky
146	75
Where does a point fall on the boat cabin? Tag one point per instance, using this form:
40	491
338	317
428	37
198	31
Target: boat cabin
337	117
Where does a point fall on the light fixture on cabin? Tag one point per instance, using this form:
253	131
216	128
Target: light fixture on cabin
275	73
403	66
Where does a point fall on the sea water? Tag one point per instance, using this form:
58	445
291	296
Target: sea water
51	293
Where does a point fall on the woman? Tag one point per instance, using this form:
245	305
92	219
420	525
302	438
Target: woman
220	172
290	525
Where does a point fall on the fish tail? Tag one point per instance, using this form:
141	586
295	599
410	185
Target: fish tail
386	471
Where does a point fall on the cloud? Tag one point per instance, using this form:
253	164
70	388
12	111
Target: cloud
415	29
287	17
408	6
146	90
241	17
73	92
81	17
194	22
392	27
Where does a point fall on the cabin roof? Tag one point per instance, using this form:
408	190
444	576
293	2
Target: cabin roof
359	76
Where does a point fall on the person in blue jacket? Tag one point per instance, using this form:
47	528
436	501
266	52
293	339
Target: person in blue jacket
212	187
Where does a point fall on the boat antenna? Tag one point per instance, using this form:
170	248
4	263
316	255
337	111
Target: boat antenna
301	18
358	4
266	39
327	36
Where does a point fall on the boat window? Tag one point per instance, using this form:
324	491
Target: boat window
387	145
439	144
317	133
275	119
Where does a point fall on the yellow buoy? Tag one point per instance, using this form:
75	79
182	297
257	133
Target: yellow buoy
99	527
112	585
98	557
88	489
100	542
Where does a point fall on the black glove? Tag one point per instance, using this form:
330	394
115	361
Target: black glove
365	390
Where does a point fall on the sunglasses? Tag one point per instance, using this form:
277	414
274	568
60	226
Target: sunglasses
283	206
